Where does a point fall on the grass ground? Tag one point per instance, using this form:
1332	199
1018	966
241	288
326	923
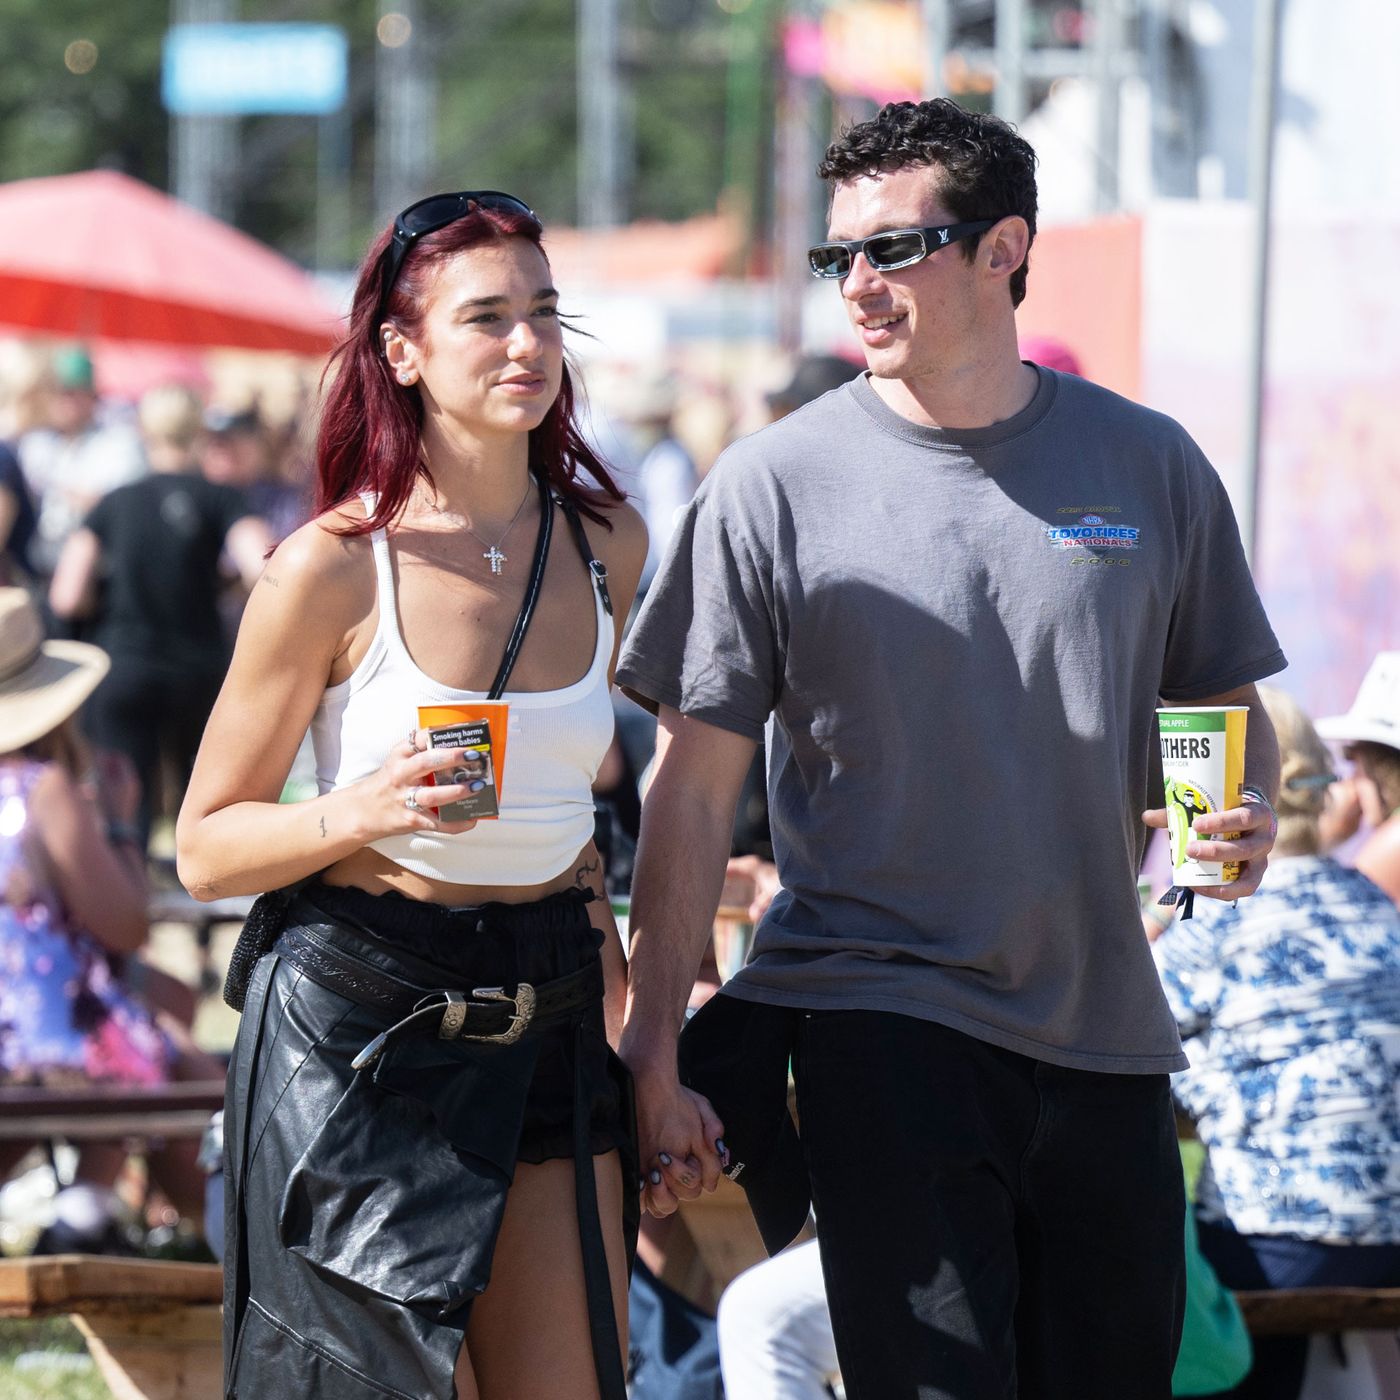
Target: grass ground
68	1374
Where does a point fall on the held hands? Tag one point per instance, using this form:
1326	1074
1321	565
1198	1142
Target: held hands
1257	827
399	797
681	1142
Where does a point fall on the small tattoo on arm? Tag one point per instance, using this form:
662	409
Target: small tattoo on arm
583	872
270	581
323	828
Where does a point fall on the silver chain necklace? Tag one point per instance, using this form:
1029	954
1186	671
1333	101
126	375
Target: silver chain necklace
493	553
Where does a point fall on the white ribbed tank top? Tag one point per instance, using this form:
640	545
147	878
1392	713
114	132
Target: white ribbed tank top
556	741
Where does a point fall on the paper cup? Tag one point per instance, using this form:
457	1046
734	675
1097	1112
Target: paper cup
1203	767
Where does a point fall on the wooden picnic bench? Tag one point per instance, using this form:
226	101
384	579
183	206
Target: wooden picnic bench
175	906
178	907
108	1112
1302	1311
152	1328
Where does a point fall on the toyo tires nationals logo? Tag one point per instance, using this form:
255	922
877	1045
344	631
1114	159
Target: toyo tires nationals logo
1092	531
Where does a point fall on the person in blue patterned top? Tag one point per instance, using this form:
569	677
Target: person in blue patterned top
1289	1007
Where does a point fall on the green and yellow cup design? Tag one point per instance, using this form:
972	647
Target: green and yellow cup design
1203	766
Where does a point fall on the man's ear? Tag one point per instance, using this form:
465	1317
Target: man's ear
1004	246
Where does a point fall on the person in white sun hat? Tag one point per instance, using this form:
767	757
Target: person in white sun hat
1370	737
72	911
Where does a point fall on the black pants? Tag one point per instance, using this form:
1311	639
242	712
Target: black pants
991	1227
148	713
1265	1261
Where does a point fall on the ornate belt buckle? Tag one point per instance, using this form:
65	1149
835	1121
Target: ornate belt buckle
523	1003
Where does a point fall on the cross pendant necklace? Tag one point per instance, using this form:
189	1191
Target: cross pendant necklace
492	553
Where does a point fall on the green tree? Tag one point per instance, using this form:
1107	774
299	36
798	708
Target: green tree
506	78
54	120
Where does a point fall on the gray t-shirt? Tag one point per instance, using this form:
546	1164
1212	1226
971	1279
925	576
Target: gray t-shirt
961	638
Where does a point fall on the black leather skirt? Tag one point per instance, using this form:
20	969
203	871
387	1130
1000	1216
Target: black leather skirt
395	1060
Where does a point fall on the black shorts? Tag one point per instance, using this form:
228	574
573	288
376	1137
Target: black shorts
362	1208
505	944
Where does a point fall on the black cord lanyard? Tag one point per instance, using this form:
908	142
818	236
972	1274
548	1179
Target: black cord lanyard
595	565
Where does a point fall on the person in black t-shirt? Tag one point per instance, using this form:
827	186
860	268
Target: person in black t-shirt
144	569
17	520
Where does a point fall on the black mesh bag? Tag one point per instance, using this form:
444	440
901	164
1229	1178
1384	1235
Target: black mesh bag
265	921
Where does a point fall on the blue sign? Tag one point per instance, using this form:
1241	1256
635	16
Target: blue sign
232	69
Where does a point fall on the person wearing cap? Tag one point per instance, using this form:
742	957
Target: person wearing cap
950	597
77	458
812	376
236	451
1370	735
144	571
1290	1008
72	901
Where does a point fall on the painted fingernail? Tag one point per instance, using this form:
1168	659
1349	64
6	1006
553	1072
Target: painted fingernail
721	1148
664	1158
655	1177
641	1183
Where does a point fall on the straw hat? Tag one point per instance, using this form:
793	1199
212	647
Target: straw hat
1375	713
41	683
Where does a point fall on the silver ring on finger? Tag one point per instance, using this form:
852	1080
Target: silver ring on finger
411	801
413	740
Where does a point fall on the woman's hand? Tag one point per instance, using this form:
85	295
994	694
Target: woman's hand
399	797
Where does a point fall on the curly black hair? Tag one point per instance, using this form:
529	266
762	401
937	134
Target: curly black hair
986	171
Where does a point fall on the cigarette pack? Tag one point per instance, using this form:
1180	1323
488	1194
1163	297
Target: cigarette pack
476	769
479	731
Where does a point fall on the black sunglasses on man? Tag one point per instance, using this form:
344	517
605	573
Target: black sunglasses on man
885	252
435	212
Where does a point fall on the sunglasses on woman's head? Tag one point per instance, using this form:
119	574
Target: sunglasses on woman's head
1305	781
885	252
434	213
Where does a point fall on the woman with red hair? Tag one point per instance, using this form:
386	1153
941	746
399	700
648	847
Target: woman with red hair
430	1170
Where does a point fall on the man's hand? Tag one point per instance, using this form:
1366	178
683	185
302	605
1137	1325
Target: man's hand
1257	827
680	1142
686	824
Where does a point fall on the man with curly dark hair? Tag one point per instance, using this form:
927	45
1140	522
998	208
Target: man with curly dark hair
953	592
985	170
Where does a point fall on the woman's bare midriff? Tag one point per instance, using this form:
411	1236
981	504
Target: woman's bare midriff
377	874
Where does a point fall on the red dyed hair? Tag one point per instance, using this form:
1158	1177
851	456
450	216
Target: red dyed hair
371	425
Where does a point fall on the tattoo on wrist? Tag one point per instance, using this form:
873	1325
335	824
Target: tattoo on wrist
583	872
323	828
270	581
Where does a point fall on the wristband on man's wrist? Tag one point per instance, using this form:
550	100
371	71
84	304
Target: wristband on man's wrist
1257	796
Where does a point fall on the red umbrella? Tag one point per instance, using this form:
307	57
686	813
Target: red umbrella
102	255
